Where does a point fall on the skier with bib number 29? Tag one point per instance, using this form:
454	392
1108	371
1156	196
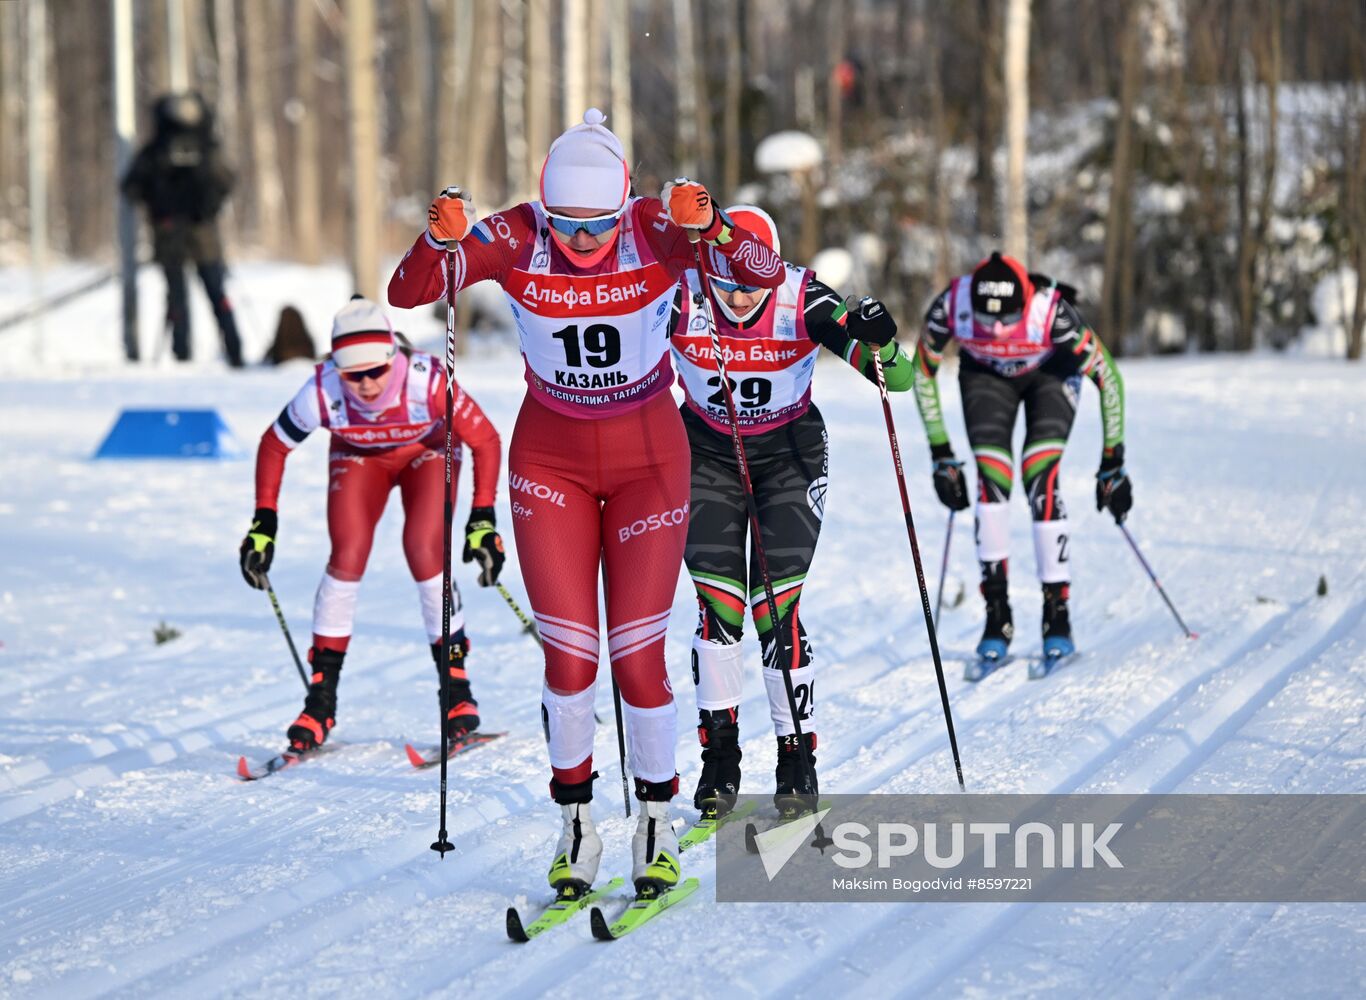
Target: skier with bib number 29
770	338
1021	341
598	465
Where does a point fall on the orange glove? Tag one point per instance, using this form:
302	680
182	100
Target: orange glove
688	204
450	216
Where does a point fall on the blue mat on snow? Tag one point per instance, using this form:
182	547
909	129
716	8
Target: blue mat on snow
170	434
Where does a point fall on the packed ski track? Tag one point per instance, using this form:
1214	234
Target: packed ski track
133	862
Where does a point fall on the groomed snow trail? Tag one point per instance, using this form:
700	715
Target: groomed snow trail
132	862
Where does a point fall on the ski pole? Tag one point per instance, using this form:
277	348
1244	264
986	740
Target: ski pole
780	653
621	744
528	626
943	570
919	569
280	617
442	843
1156	583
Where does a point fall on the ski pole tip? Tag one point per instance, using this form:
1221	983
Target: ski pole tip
442	846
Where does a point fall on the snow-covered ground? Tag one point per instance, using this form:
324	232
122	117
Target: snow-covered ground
132	862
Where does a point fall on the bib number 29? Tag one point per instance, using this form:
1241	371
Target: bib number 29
599	346
754	392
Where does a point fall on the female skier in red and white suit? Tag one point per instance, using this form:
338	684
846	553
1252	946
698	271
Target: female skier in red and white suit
599	463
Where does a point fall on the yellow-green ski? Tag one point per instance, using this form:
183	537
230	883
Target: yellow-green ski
558	912
641	909
702	831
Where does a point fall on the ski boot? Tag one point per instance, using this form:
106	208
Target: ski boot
579	851
1000	627
654	846
797	786
309	731
1057	627
463	715
719	733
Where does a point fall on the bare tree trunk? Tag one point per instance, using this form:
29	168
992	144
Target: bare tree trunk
987	116
37	93
540	112
363	133
482	95
838	35
575	61
416	169
706	159
943	262
804	77
177	46
519	179
225	39
595	57
125	144
13	184
1353	132
688	153
619	26
735	92
265	156
1113	318
1017	128
307	210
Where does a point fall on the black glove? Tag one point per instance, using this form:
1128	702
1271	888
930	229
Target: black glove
483	543
949	481
1113	489
258	548
870	322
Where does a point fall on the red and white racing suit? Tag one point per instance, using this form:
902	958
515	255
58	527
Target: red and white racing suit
599	462
400	441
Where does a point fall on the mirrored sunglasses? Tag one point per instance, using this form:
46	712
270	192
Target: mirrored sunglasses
722	285
377	372
989	320
595	226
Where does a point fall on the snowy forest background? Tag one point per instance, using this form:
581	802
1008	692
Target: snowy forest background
1198	170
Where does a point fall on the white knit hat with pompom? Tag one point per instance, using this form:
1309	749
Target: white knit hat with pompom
586	168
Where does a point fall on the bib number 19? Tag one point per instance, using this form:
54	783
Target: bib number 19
600	346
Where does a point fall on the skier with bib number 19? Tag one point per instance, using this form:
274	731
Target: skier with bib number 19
770	339
1021	341
599	451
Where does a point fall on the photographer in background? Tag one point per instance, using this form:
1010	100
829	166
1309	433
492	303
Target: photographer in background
181	179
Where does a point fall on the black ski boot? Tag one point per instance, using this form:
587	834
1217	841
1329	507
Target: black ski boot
463	714
719	733
797	786
1000	628
310	729
1057	627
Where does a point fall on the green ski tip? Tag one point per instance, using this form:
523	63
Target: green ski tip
556	913
702	831
640	911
